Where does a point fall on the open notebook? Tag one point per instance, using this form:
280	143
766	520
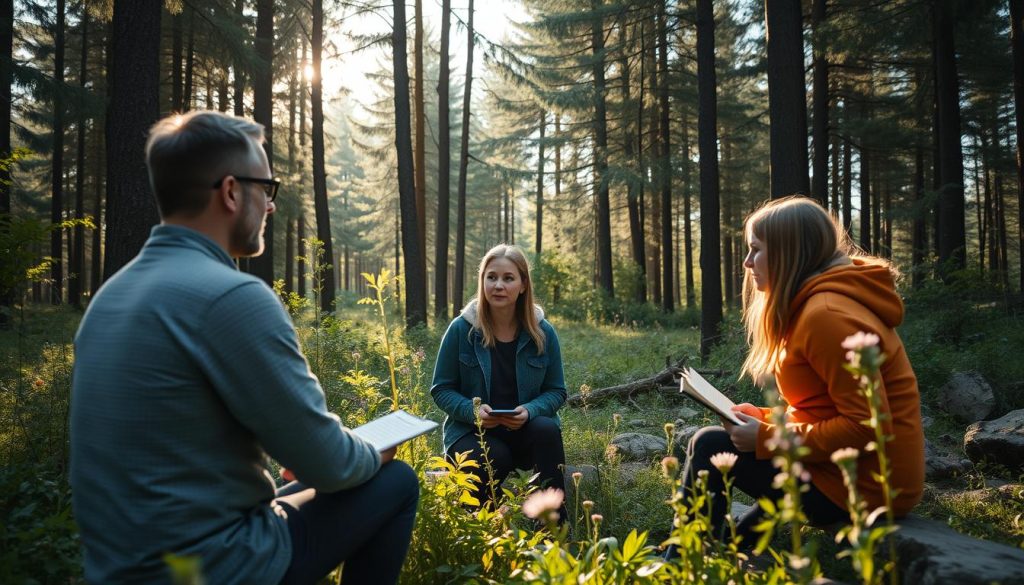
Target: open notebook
695	386
393	429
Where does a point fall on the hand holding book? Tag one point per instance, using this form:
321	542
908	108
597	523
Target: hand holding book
695	386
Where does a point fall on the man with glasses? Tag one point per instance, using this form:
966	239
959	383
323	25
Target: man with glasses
188	375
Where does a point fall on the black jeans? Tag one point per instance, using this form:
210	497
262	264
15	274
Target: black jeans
753	477
536	445
369	527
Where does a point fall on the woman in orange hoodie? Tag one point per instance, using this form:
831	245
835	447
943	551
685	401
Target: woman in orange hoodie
804	293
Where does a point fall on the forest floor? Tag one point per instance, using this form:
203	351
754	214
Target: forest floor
968	332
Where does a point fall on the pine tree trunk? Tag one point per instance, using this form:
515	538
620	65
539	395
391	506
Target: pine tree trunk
819	182
415	281
919	242
57	169
1016	31
324	268
262	266
649	170
239	75
865	199
847	191
691	294
96	260
460	230
133	108
444	163
707	138
289	253
76	276
667	263
787	98
300	243
604	229
636	235
6	79
538	245
190	62
420	153
952	236
176	61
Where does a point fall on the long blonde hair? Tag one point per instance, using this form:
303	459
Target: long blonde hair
524	310
800	239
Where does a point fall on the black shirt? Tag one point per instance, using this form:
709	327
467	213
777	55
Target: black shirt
504	392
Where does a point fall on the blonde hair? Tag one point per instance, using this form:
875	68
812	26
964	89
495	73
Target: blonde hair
524	312
801	239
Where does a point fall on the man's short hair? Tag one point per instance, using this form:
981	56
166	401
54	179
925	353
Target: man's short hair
187	153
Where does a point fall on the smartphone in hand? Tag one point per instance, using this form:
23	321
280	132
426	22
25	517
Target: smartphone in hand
503	412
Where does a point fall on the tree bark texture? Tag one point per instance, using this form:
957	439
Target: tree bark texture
710	223
134	107
57	168
77	273
262	266
819	182
415	281
787	98
460	222
1016	30
952	232
324	268
444	163
604	229
665	175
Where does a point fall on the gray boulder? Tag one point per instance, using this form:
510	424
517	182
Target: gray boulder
686	412
638	446
1000	440
930	553
967	396
938	465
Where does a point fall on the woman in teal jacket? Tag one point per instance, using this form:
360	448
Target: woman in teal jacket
501	350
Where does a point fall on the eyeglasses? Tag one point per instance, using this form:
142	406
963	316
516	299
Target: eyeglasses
270	186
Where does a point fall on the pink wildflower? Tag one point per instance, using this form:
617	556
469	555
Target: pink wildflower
543	501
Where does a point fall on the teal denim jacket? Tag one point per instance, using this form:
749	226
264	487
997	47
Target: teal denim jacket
463	371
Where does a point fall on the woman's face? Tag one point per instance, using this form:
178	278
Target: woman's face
502	283
757	262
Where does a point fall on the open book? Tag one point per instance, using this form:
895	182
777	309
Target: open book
695	386
393	429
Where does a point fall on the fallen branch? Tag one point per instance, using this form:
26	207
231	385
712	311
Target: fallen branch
666	381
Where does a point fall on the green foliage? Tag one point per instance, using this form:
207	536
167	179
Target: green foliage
357	351
19	264
38	536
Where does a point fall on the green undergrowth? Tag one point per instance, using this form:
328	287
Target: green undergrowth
970	330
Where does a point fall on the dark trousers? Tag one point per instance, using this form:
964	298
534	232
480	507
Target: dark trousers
753	477
369	527
536	445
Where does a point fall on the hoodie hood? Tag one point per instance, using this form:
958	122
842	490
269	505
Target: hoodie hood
869	283
470	314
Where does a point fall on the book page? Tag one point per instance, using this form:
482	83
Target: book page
696	386
393	429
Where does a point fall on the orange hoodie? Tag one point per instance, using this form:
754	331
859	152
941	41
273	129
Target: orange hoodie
824	403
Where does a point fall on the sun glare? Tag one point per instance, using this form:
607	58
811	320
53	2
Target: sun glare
308	72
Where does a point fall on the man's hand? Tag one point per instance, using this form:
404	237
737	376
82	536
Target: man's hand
486	420
744	436
386	456
515	421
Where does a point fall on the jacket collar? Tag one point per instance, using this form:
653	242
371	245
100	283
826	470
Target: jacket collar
472	316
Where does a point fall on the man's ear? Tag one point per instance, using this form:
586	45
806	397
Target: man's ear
229	197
